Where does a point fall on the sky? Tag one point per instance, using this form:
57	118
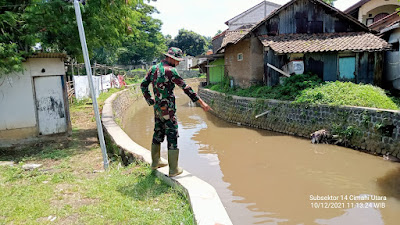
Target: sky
206	17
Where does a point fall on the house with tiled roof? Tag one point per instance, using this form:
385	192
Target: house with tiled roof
313	36
245	20
237	26
370	11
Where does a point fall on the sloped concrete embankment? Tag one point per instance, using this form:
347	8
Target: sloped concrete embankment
205	202
376	131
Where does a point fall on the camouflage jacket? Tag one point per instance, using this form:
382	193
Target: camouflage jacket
163	78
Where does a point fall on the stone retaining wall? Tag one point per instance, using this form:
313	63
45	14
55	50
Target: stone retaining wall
373	130
205	203
125	100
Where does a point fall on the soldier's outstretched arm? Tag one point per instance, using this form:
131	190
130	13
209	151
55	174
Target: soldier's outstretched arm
188	90
144	86
181	83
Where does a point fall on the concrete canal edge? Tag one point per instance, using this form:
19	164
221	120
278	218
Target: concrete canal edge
205	202
375	131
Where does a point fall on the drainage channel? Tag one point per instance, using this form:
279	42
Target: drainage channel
264	177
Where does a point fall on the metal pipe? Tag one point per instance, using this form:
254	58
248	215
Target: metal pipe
89	75
262	114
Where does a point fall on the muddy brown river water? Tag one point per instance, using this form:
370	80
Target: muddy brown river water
270	178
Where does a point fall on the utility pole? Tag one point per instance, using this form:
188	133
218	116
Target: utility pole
89	75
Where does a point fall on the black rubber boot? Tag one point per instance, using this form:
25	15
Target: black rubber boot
157	162
173	156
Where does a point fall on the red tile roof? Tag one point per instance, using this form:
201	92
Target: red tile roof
232	36
220	34
324	42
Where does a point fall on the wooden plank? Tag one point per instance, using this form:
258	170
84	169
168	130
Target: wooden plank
278	70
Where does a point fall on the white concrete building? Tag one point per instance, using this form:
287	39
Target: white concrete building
186	63
371	11
252	16
34	103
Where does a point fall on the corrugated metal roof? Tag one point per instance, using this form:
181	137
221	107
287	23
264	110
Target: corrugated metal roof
325	42
48	55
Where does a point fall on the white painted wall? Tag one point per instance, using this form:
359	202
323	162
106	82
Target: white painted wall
52	66
252	17
366	9
186	63
17	101
17	107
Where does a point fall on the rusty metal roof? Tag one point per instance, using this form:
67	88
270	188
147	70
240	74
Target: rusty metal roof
48	55
385	22
324	42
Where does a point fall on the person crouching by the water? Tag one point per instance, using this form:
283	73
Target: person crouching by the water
163	78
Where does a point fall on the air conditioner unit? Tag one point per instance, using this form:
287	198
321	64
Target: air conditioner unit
294	67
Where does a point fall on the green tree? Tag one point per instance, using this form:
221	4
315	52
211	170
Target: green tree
15	40
168	40
190	42
145	42
112	28
208	43
330	2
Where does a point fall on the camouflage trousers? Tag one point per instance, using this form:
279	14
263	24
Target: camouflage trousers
166	127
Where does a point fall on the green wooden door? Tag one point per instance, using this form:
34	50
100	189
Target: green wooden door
347	68
217	71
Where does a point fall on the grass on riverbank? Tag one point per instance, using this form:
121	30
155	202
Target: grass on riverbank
347	93
306	88
290	88
72	188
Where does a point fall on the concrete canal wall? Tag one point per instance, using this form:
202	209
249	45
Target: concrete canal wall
205	203
372	130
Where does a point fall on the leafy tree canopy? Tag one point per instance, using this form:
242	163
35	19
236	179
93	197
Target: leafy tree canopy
330	2
112	28
145	41
190	42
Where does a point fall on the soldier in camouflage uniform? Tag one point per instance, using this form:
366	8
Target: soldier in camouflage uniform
163	78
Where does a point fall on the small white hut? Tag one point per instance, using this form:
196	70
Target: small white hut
34	103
